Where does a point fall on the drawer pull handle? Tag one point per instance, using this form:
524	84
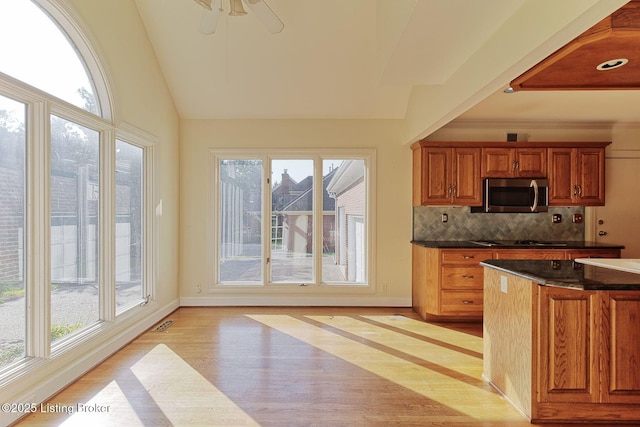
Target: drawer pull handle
467	276
468	256
467	301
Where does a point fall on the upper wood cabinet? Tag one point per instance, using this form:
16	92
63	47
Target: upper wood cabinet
447	176
576	176
514	162
451	173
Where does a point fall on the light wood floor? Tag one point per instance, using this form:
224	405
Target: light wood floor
289	367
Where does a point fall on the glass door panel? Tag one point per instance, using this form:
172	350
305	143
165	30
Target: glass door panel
292	221
240	244
344	222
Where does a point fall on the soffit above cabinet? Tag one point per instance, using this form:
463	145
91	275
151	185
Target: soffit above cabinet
605	57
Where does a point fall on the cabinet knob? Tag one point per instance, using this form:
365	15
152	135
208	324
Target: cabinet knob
602	233
467	301
467	276
468	256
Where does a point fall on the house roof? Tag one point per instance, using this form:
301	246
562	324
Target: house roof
301	197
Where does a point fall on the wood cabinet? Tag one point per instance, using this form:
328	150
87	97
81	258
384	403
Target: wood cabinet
447	284
576	176
587	353
514	162
560	354
447	176
451	173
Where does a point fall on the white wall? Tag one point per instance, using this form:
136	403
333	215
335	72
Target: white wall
393	208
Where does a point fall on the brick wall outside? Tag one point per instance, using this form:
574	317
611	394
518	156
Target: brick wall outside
11	223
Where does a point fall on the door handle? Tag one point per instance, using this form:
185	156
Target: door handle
534	184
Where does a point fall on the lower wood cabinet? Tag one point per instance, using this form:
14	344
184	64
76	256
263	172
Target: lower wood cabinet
447	284
563	355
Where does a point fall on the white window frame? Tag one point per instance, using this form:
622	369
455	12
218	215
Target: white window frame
266	156
146	142
37	269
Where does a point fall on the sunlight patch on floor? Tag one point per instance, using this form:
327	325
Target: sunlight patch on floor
474	398
183	394
100	410
429	330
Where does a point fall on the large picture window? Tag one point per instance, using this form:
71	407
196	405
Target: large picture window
130	225
75	219
318	228
12	231
74	208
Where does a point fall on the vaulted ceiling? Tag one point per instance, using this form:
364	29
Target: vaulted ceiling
383	59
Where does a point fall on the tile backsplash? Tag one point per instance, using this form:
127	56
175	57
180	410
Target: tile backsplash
464	225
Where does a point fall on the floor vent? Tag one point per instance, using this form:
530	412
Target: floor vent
163	326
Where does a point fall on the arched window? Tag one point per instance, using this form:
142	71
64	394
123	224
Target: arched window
38	50
85	261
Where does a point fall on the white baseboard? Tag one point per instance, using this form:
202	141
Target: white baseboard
300	301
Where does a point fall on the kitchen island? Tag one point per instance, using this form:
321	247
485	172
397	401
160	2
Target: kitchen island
562	339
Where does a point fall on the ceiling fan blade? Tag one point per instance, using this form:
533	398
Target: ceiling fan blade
264	13
209	20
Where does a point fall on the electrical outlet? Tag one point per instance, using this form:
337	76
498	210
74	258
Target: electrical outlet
444	217
198	289
577	218
556	218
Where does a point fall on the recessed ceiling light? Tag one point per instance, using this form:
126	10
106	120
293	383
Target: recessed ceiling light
509	90
611	64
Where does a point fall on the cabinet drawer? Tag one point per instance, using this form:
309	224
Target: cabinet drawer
465	256
461	302
540	254
462	277
586	253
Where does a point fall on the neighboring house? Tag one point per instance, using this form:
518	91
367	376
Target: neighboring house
292	220
347	187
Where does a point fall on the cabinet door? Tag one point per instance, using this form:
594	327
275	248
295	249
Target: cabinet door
590	176
567	333
562	190
497	163
467	190
531	162
436	186
621	382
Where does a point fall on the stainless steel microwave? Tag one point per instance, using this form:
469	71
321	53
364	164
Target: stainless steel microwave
515	195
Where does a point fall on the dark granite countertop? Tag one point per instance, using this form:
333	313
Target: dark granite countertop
511	244
567	274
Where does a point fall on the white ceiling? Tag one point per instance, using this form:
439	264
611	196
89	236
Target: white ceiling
363	59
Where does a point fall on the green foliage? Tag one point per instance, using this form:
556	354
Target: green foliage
9	292
59	331
10	354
